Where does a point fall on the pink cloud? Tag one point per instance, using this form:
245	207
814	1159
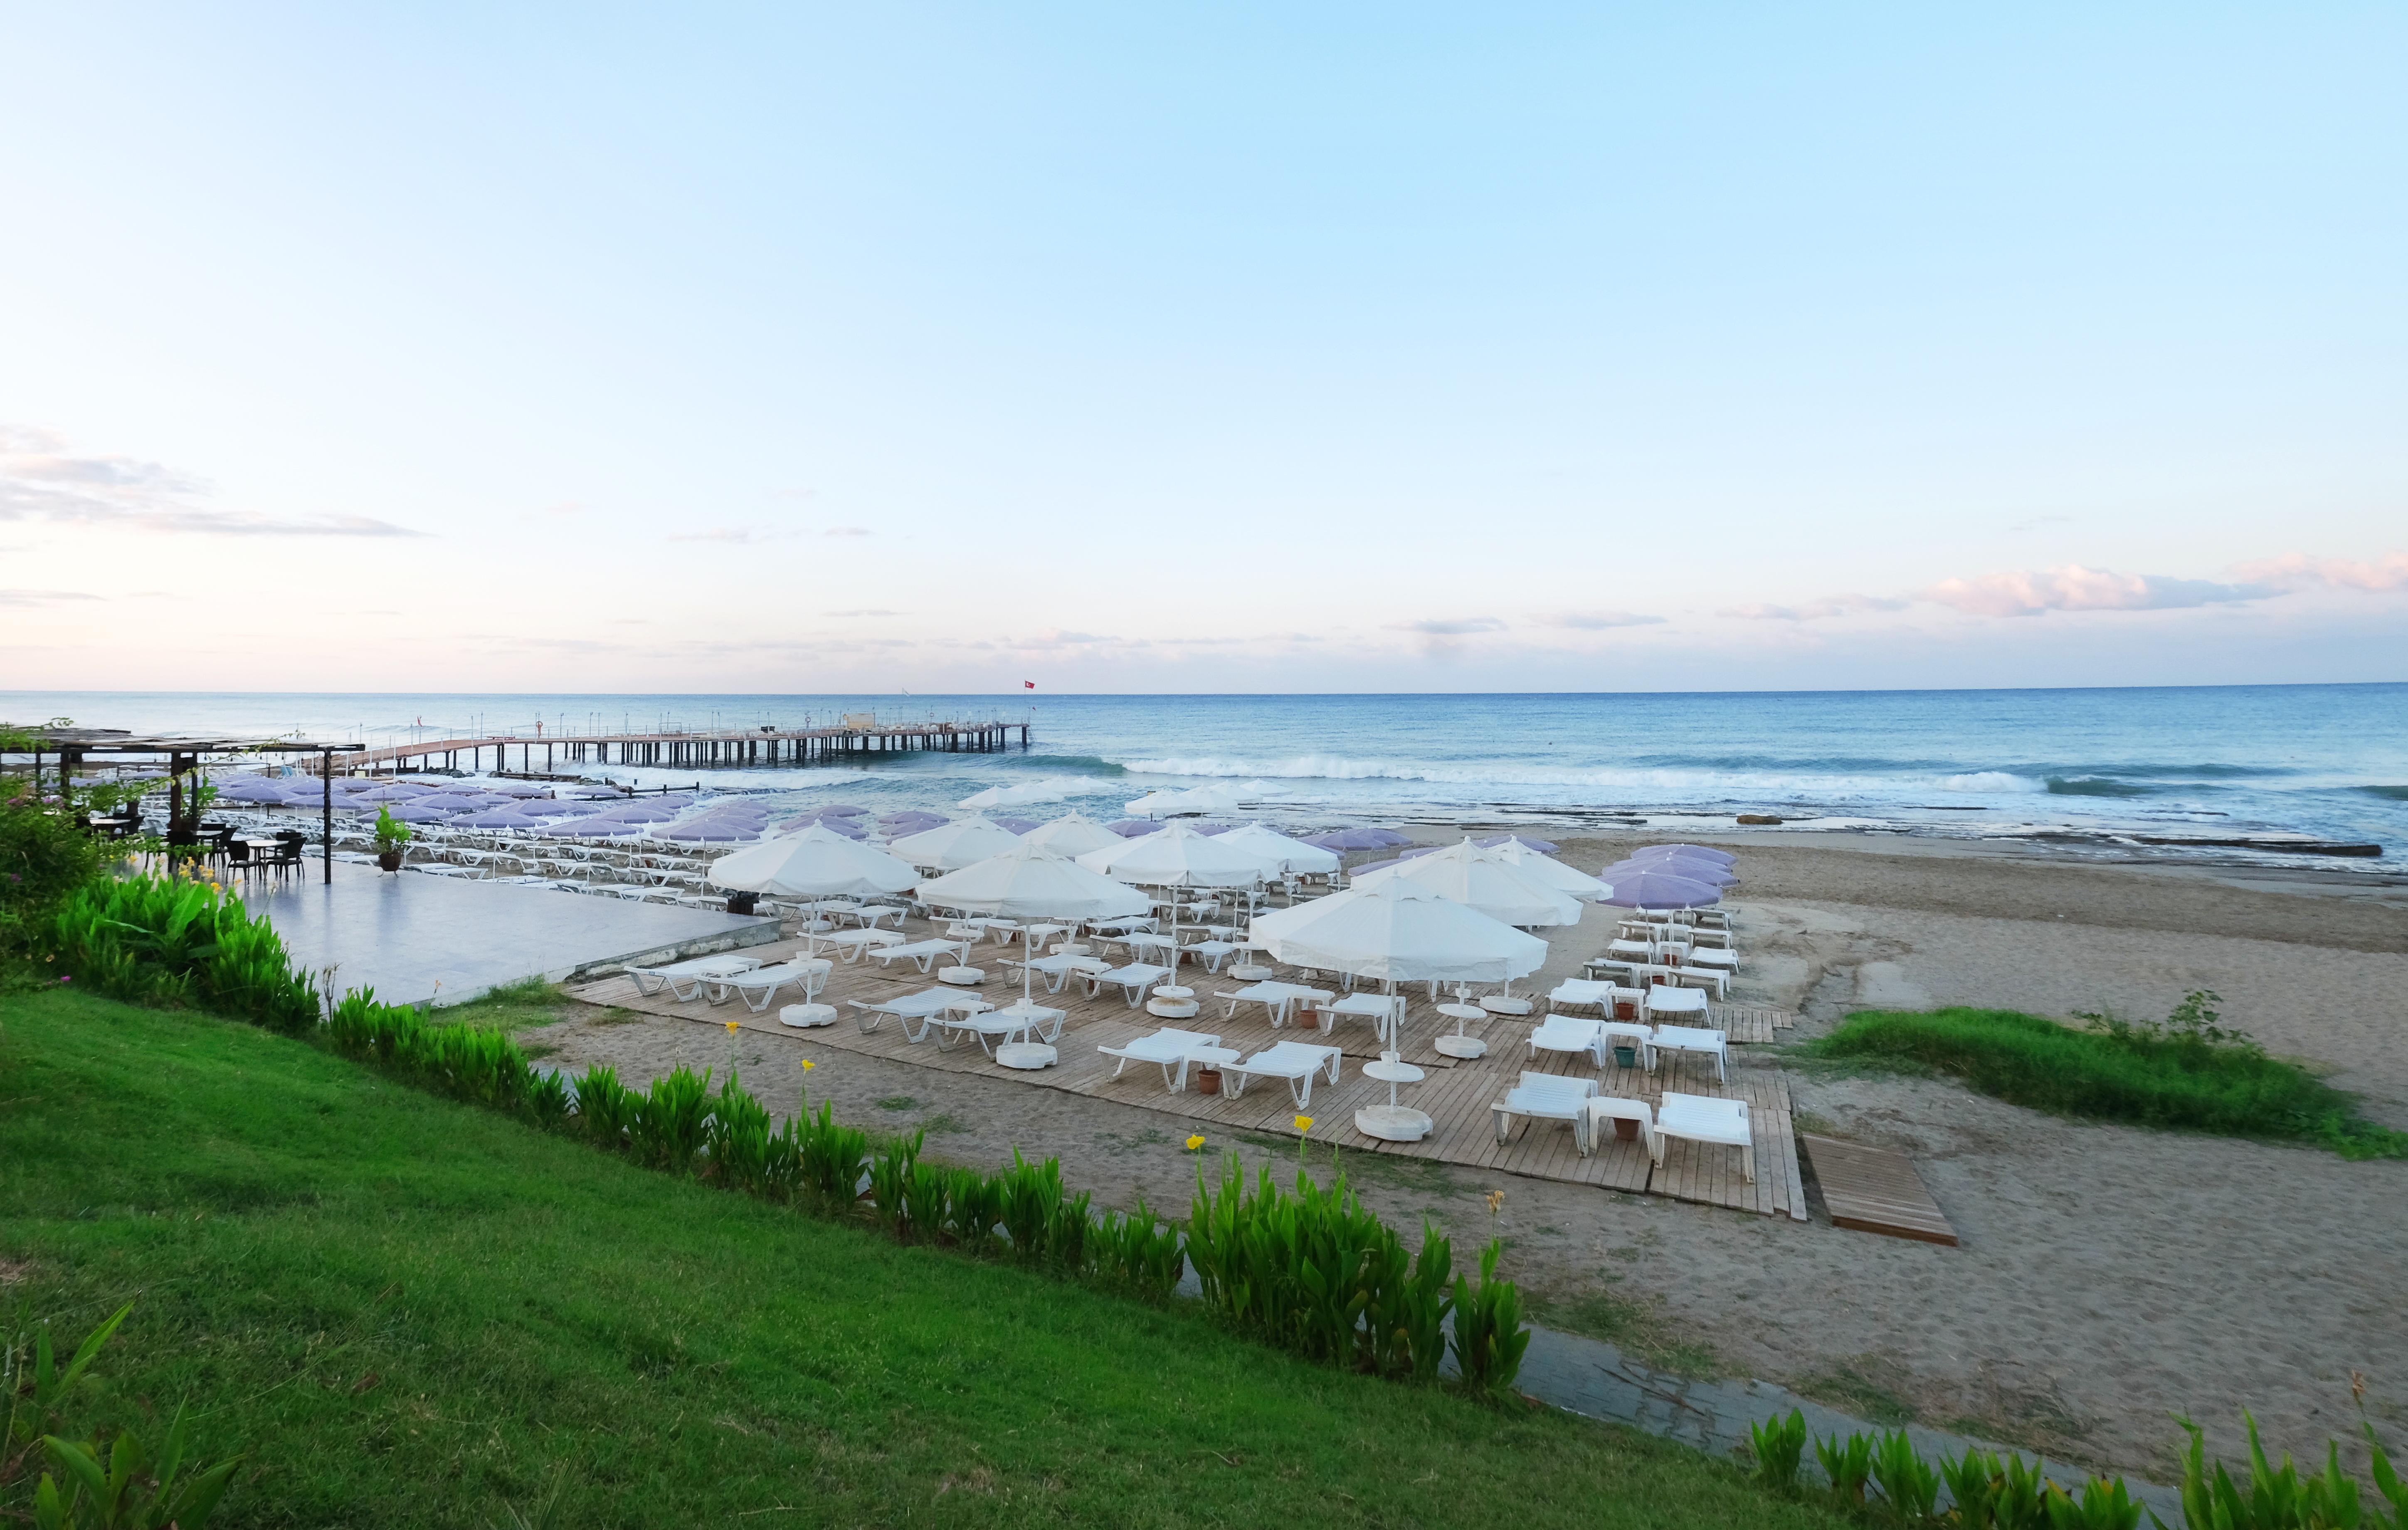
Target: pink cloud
2297	571
2074	588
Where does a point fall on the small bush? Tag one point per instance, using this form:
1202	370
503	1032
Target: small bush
2189	1073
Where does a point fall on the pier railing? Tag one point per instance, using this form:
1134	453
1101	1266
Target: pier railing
713	748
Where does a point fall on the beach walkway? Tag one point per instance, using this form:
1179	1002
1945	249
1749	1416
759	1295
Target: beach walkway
1455	1094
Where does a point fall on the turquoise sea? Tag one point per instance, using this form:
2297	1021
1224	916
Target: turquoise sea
2100	771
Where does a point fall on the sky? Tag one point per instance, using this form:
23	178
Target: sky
1201	349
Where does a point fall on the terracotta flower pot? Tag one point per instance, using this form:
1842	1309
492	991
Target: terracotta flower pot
1208	1080
388	860
1626	1129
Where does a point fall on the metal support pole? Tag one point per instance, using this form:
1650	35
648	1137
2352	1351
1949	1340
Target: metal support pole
326	810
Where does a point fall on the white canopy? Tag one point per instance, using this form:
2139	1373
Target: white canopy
956	844
1178	857
1400	931
1029	881
1203	799
1554	873
1481	880
1052	790
1073	834
817	863
1282	852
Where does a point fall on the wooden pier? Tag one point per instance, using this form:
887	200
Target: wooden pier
730	749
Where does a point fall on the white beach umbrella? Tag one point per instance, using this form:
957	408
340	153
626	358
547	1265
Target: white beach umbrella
1073	834
1401	932
1052	790
1482	879
1177	856
1286	854
950	846
1030	881
1547	869
815	864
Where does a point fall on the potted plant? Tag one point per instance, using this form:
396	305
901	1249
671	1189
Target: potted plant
392	833
1208	1080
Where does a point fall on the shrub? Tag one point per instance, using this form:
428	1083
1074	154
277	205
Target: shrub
44	857
2189	1073
1489	1333
182	941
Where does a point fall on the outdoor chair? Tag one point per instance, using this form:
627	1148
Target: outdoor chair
1696	1118
1172	1049
1547	1096
1297	1062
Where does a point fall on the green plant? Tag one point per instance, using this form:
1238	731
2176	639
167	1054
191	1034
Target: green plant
390	834
178	941
2105	1504
605	1108
833	1159
671	1119
1780	1446
1489	1334
2189	1074
1906	1478
2281	1497
891	1169
109	1486
1848	1464
35	1387
1138	1252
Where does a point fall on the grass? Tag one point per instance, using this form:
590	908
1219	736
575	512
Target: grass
1639	1328
519	1006
2198	1079
414	1313
1861	1388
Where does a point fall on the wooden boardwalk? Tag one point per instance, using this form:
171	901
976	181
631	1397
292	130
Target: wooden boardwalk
1456	1095
1876	1190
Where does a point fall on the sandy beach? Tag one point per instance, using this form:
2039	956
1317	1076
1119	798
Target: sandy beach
2108	1277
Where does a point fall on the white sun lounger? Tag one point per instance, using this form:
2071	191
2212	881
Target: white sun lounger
1713	1044
922	952
1171	1048
684	979
1132	980
1695	1118
1570	1034
761	984
1297	1062
1547	1096
853	942
1275	998
922	1007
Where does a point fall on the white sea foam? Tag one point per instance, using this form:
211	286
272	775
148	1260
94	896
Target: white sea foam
1992	784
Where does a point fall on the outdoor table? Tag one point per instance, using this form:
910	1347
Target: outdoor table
1392	1123
1459	1045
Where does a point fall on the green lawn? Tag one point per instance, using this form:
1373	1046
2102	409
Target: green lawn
414	1313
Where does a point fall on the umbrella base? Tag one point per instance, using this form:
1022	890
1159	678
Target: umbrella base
1496	1004
1172	1009
1025	1055
1462	1046
964	977
803	1016
1393	1122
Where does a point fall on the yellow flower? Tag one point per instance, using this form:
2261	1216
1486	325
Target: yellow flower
809	1064
731	1027
1196	1143
1496	1201
1304	1123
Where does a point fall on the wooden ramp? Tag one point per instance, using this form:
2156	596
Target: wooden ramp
1876	1190
1457	1095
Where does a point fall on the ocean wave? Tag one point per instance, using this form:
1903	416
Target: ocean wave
2388	794
2096	786
1624	782
1992	782
1080	764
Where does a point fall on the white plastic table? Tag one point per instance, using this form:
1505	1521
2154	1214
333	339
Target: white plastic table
1457	1044
1393	1122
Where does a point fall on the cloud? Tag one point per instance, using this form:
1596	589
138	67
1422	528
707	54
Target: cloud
2074	588
868	611
2297	571
40	480
1601	621
1461	627
848	531
721	534
41	597
1814	611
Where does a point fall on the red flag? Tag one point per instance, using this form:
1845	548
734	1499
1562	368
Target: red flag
1031	684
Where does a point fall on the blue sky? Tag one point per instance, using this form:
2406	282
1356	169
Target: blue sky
1133	349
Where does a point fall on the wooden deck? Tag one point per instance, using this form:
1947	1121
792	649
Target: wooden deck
1456	1095
1876	1190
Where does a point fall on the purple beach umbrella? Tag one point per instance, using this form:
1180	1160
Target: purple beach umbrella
410	812
255	789
500	818
1017	825
394	792
1695	852
596	826
1661	889
703	832
1130	828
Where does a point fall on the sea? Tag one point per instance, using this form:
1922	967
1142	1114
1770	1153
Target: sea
2259	775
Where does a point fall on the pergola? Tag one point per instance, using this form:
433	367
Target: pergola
182	752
